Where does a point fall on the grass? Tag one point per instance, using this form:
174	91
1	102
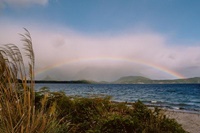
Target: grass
25	111
18	111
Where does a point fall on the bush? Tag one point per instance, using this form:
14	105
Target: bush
120	124
100	115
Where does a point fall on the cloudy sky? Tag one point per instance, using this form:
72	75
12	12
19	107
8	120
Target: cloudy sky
107	39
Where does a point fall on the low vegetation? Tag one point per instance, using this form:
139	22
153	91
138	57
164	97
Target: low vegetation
25	111
100	115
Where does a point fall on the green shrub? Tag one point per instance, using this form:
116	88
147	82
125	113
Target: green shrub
100	115
120	124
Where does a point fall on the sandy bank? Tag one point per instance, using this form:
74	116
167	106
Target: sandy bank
189	121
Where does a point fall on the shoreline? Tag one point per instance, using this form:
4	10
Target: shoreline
189	121
151	106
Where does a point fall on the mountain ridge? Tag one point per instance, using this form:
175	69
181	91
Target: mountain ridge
130	80
144	80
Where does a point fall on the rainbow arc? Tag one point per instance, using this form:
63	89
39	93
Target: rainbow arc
111	59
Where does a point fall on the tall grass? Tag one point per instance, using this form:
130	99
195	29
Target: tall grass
18	113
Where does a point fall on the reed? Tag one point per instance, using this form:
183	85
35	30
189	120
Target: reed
18	112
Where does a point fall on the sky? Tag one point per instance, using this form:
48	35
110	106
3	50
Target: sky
104	40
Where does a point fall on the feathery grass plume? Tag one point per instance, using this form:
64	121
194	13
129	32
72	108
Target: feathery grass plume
18	113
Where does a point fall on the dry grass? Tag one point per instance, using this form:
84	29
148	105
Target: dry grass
17	100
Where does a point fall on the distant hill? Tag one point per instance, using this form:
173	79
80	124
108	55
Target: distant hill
132	80
126	80
144	80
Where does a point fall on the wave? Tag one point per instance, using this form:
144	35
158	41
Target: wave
173	106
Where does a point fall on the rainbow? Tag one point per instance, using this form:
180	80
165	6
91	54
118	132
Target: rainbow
145	63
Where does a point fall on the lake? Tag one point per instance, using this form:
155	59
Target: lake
184	97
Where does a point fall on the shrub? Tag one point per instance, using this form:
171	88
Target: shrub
100	115
120	124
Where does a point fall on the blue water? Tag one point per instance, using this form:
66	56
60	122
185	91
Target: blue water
172	96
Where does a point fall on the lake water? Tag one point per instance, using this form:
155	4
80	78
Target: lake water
184	97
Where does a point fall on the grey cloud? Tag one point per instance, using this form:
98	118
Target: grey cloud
191	71
105	58
106	73
172	57
59	41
